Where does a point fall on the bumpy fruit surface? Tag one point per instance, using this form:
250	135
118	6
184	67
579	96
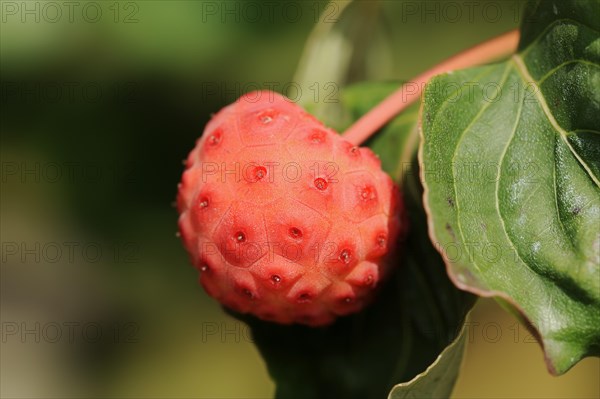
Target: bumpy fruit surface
283	218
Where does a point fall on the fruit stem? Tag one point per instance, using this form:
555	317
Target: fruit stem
400	99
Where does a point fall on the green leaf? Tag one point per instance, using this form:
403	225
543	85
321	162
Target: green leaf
512	160
417	313
439	378
347	44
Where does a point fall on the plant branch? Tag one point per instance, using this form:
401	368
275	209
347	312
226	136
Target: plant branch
376	118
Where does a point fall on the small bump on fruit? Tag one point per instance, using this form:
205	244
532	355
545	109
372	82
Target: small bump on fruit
321	184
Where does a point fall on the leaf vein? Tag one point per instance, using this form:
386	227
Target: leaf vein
462	135
564	64
497	189
526	76
543	33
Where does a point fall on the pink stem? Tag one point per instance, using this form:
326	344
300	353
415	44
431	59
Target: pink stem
377	117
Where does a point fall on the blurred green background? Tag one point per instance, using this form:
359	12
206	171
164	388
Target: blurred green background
100	102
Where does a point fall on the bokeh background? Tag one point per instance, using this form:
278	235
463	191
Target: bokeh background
100	102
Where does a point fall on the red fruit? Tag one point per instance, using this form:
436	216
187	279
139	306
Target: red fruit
284	218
